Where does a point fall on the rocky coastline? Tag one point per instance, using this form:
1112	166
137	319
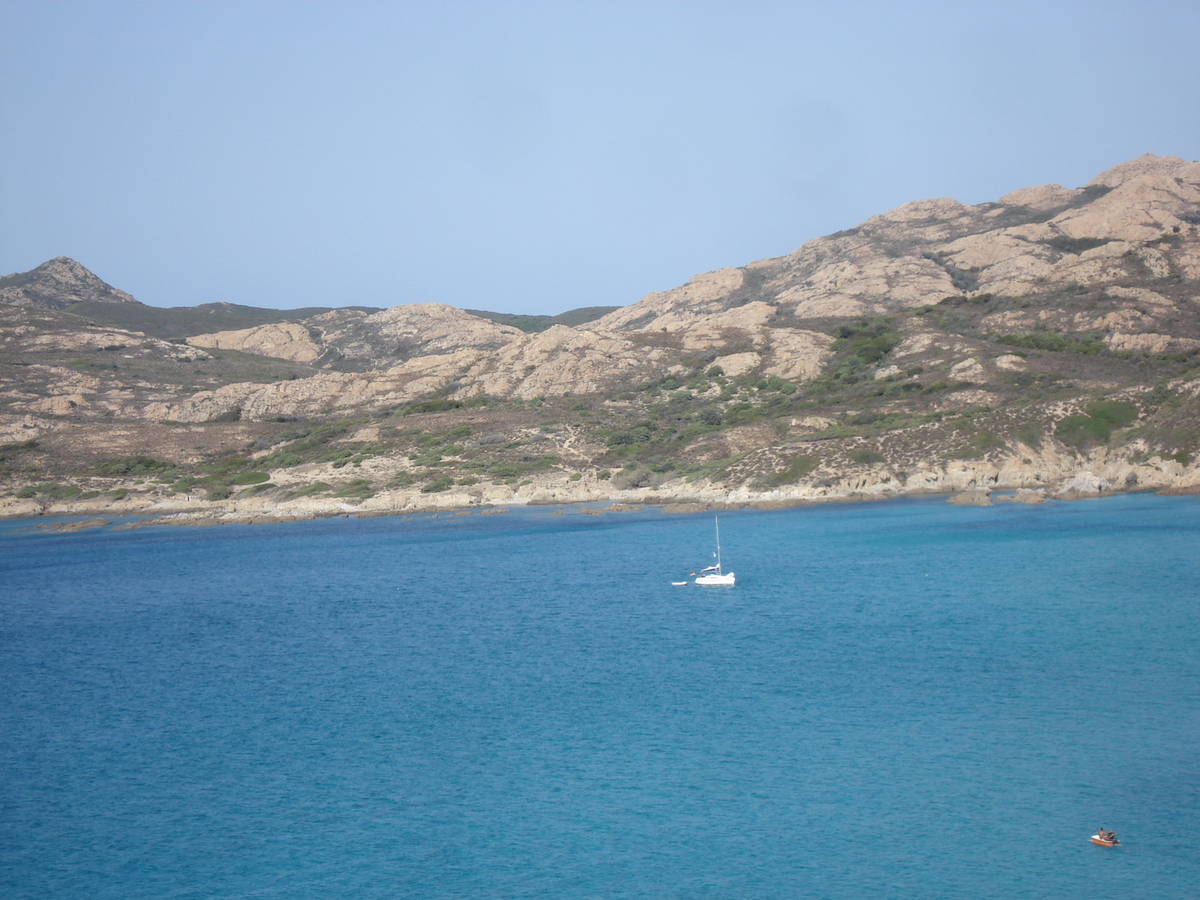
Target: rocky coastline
1007	480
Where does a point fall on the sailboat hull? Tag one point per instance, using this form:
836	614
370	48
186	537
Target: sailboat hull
715	579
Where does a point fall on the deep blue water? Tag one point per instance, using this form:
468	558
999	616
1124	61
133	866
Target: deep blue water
897	700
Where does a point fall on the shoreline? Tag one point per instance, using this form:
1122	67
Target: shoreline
1022	478
200	513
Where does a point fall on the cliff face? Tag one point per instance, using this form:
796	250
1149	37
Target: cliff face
939	346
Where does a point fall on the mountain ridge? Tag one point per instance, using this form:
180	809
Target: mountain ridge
1049	336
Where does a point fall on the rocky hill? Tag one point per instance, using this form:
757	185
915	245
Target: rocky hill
57	284
1049	341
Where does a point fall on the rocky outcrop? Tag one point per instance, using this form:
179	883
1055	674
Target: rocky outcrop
563	361
323	394
972	498
406	332
1025	496
359	340
131	343
705	294
1082	486
282	341
553	363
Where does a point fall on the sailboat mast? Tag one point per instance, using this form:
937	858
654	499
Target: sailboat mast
717	525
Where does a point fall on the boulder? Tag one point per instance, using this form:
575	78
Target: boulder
972	498
1025	495
1083	486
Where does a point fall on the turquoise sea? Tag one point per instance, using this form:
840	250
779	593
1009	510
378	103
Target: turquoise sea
897	700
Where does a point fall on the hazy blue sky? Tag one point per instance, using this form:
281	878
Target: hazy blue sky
536	157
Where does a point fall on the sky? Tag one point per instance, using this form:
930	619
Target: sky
539	157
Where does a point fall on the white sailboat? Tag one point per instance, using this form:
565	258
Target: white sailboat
713	574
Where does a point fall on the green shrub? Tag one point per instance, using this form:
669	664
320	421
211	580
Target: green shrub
866	456
797	467
281	459
1055	343
1159	395
1030	434
359	488
866	417
1096	427
979	444
770	383
1117	413
134	465
633	478
428	459
744	414
251	478
860	344
307	446
1065	244
12	449
428	406
626	438
1080	431
54	491
316	487
898	389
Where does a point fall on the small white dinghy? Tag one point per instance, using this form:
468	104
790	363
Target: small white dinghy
713	574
